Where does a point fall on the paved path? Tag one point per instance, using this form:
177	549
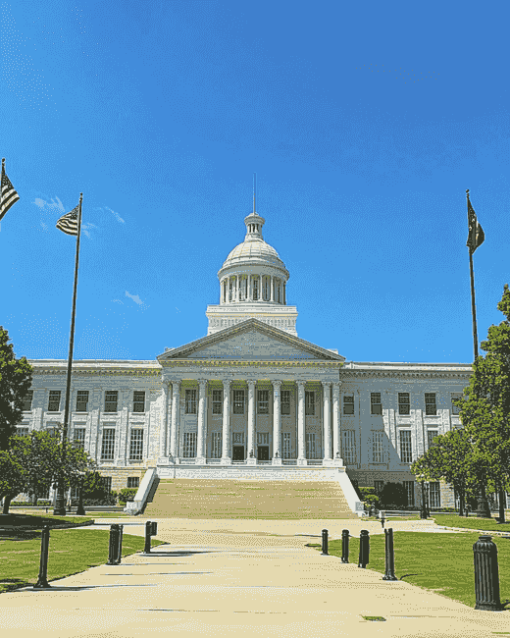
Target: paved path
242	582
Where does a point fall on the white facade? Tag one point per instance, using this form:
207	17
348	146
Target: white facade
250	393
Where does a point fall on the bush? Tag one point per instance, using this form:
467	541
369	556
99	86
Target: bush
369	497
394	496
127	494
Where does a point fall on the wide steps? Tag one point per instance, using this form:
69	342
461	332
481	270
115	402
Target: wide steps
248	499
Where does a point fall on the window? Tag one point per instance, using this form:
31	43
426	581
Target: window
262	401
348	403
190	445
138	401
431	435
111	398
22	431
430	404
435	495
217	397
108	445
133	482
375	401
79	438
311	446
349	446
377	447
262	438
406	450
136	445
409	485
286	445
456	408
191	402
27	401
310	403
404	403
238	438
255	282
238	401
107	483
285	404
216	445
378	487
54	401
82	399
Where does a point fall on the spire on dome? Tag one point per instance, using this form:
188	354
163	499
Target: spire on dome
254	221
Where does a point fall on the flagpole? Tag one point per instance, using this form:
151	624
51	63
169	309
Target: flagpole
473	304
60	504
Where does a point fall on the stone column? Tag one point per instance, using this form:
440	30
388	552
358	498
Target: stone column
272	289
301	458
326	390
226	459
277	423
336	424
176	403
163	426
250	448
238	289
284	294
202	417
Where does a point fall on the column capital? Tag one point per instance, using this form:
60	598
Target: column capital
251	383
301	384
336	383
276	383
202	383
326	384
226	382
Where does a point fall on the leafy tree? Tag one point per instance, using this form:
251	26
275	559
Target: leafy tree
15	381
12	475
485	408
95	491
394	494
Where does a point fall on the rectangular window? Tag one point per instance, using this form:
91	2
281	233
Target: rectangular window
136	445
79	438
255	281
286	445
217	398
191	402
216	445
406	450
348	403
377	447
238	401
409	485
285	404
108	445
375	403
133	482
262	438
435	494
27	401
311	446
262	401
431	435
310	403
430	404
404	406
139	401
107	482
111	398
54	401
456	408
378	487
190	445
22	431
349	446
82	400
238	438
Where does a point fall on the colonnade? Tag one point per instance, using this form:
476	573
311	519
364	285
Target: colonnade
276	289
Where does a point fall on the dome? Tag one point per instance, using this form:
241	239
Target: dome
256	251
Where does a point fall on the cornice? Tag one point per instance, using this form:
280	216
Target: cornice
401	374
255	363
103	372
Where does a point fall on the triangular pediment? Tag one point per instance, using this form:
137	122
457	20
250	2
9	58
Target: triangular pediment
251	340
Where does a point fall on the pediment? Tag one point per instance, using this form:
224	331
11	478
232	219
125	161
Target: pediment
251	340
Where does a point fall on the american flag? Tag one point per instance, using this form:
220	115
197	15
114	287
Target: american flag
68	223
8	196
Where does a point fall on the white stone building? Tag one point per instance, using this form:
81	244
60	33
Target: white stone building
251	396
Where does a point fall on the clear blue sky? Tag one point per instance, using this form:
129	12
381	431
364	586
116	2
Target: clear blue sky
365	123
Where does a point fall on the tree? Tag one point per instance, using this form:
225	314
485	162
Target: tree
12	478
15	381
485	408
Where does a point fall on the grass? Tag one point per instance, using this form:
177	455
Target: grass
71	551
439	562
36	522
485	524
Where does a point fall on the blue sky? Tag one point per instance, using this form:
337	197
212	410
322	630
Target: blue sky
365	122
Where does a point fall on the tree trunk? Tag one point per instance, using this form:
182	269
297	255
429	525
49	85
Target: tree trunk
501	499
7	503
462	504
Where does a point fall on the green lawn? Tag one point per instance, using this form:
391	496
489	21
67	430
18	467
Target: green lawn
71	551
439	562
471	522
35	521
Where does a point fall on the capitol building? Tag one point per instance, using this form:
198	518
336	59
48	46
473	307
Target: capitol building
251	399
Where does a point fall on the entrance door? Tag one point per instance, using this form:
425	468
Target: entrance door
263	453
238	453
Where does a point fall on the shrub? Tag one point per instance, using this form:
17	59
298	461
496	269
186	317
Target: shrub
369	497
127	494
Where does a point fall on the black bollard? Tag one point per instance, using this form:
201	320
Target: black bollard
119	545
148	530
42	581
324	543
390	556
364	548
154	528
345	546
114	545
486	575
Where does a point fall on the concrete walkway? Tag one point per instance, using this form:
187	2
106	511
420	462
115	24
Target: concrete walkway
234	578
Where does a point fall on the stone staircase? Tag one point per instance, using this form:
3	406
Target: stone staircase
248	499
